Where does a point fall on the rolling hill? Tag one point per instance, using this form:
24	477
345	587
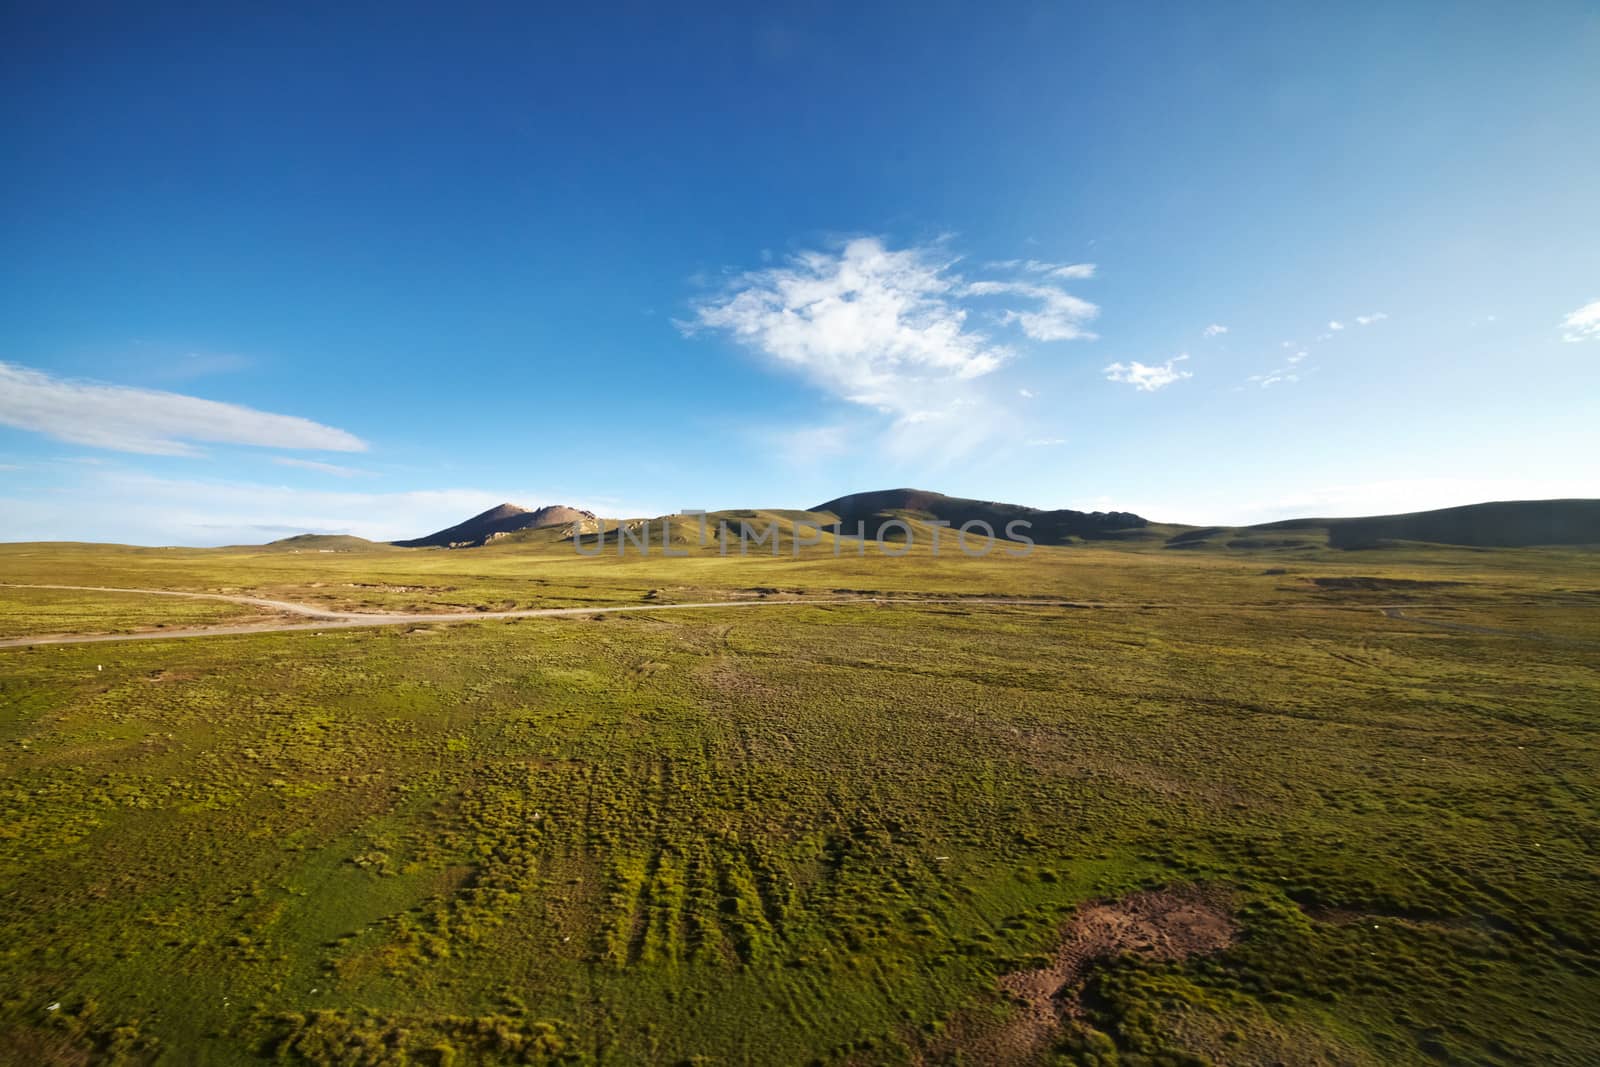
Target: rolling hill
1500	524
323	543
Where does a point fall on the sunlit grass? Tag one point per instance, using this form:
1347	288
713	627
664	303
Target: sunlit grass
810	833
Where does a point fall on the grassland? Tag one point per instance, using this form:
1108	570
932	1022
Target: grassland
57	611
811	834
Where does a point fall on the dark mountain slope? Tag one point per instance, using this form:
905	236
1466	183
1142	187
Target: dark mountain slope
1500	524
503	519
1048	527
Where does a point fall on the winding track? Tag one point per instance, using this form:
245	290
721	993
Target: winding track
349	620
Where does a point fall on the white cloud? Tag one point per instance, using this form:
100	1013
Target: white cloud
893	330
871	325
1147	379
1071	271
324	468
128	419
1046	442
1368	320
1336	325
1582	324
1064	271
1214	330
1026	394
1060	316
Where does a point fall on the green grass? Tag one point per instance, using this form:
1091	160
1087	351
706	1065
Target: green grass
804	834
25	612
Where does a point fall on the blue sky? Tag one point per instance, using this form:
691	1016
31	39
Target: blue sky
270	270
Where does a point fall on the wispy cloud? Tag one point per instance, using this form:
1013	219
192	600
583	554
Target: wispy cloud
1287	374
322	468
128	419
804	445
1582	324
1214	330
138	507
1064	271
1068	271
894	329
1272	378
1059	316
1148	379
203	364
1336	325
1368	320
1046	442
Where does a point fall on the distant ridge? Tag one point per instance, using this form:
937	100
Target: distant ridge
1048	527
507	518
1499	524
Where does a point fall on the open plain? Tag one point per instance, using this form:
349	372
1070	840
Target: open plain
1101	804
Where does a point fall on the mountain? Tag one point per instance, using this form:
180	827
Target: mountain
1049	527
507	518
1500	524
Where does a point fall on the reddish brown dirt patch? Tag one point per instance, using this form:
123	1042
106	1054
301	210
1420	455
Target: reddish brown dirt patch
1158	924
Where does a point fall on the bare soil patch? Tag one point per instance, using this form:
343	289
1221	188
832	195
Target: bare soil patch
1160	924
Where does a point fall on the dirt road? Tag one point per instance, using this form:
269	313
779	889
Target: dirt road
326	619
347	620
